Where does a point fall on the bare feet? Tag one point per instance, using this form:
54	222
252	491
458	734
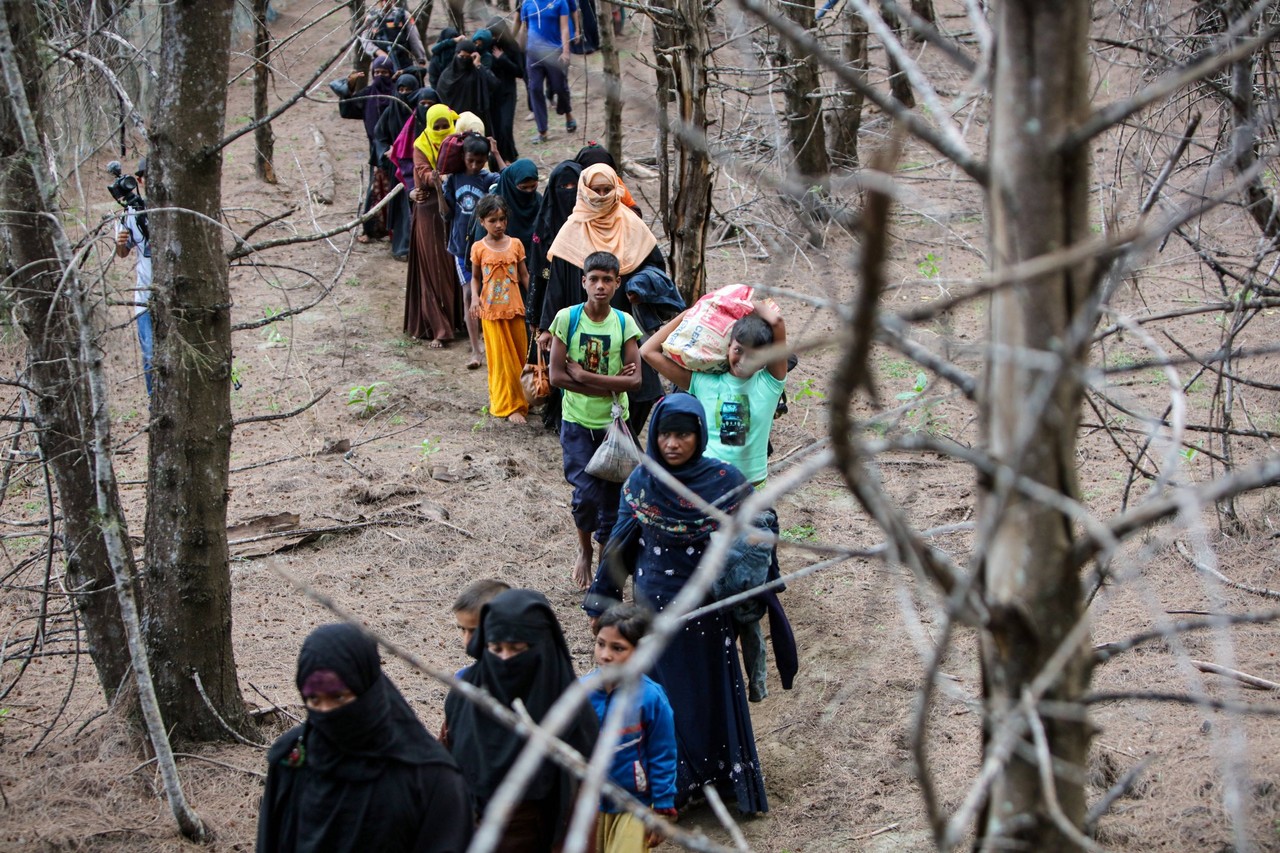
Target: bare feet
364	238
474	363
433	344
517	418
582	570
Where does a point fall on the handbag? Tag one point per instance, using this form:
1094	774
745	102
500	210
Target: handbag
618	455
536	382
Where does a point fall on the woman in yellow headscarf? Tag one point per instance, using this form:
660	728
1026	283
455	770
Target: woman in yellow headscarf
432	309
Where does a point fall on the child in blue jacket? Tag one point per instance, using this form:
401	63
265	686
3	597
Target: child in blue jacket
644	761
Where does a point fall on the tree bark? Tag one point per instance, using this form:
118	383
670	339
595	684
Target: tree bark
848	118
188	584
612	84
60	394
264	140
804	103
898	84
1039	204
687	46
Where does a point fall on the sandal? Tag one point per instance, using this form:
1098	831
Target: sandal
570	125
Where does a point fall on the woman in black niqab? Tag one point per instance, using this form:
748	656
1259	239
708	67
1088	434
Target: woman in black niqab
537	677
364	774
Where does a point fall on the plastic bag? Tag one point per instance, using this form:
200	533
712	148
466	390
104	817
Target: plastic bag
618	455
701	341
536	382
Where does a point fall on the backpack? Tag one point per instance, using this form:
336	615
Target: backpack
575	314
449	160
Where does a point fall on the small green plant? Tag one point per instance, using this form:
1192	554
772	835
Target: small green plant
922	418
236	376
366	399
352	281
806	393
928	268
271	332
430	447
1189	454
798	533
484	420
396	420
922	382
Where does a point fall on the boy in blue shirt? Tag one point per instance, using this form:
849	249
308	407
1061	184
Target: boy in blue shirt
644	761
594	356
461	192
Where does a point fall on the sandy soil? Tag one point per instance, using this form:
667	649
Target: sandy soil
458	495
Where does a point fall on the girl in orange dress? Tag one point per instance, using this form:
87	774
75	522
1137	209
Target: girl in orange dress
498	278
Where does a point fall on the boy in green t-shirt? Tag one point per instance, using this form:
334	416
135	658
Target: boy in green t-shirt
594	355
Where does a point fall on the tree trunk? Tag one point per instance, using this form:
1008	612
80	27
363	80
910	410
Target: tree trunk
612	84
804	104
663	45
898	84
264	140
60	395
1039	205
689	208
848	118
188	585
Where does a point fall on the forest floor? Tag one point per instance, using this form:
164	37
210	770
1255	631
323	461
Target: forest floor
453	494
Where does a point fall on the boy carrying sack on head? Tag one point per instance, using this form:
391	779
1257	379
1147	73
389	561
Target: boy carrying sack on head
594	357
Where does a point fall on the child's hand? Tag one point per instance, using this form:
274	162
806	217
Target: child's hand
768	312
544	341
653	839
628	369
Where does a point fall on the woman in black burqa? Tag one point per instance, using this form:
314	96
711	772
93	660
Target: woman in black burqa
520	654
361	773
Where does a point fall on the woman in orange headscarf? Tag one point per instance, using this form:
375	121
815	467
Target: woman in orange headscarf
432	308
601	222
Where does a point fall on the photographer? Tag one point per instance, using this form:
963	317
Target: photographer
389	31
132	233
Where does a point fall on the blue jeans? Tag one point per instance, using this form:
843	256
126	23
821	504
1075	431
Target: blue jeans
540	70
595	501
146	342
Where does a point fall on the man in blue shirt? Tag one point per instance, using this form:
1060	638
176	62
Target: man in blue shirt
544	34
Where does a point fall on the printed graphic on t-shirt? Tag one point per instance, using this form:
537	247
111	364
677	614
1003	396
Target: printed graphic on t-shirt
733	420
595	352
502	276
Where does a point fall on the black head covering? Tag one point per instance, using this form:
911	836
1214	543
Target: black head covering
593	153
353	742
537	677
441	54
329	780
522	207
557	201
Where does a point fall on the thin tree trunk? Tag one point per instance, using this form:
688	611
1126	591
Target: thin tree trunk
264	140
1039	204
848	118
804	103
60	395
898	85
188	584
663	45
20	123
612	84
689	205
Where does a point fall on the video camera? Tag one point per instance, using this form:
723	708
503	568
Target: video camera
124	189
